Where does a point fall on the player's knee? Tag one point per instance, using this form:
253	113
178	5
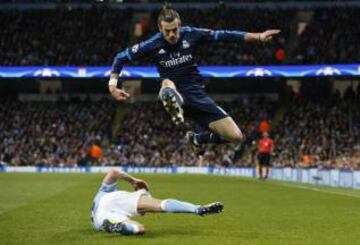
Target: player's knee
168	83
236	137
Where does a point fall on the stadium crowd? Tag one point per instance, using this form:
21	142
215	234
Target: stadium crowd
334	34
92	37
62	37
149	140
320	133
323	132
52	133
311	133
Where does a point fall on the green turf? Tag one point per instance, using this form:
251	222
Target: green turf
54	209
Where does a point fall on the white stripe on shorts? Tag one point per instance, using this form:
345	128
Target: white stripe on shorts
222	110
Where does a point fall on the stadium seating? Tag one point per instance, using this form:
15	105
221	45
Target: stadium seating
62	37
334	34
326	130
52	133
320	132
44	133
92	37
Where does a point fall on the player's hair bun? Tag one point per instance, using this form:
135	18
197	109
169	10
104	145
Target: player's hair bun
167	6
168	13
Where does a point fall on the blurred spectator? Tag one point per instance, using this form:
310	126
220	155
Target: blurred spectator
264	126
96	152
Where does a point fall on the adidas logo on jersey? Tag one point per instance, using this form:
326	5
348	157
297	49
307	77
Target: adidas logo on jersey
162	51
185	44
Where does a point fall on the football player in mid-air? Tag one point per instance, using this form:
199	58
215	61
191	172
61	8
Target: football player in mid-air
182	90
112	209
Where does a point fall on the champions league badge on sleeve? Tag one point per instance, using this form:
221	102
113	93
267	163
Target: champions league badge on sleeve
185	44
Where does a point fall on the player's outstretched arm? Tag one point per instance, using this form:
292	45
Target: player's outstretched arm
118	94
265	36
115	175
234	36
120	60
126	56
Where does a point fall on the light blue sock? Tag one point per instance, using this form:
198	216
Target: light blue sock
175	206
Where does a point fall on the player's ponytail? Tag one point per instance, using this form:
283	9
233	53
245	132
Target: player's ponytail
167	6
168	14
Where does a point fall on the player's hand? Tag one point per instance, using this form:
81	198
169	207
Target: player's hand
268	35
139	184
118	94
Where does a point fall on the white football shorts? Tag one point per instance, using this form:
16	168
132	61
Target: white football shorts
117	206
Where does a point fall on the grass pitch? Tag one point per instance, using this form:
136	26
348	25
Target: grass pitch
55	209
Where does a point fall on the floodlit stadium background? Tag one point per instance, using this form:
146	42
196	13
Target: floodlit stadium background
56	115
304	84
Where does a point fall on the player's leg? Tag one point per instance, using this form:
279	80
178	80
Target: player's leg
211	116
127	227
223	130
116	209
227	130
239	151
267	165
260	166
260	173
172	101
267	172
148	204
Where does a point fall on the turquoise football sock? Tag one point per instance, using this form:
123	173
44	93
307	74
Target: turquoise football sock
175	206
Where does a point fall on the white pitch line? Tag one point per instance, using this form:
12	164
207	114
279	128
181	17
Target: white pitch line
319	190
